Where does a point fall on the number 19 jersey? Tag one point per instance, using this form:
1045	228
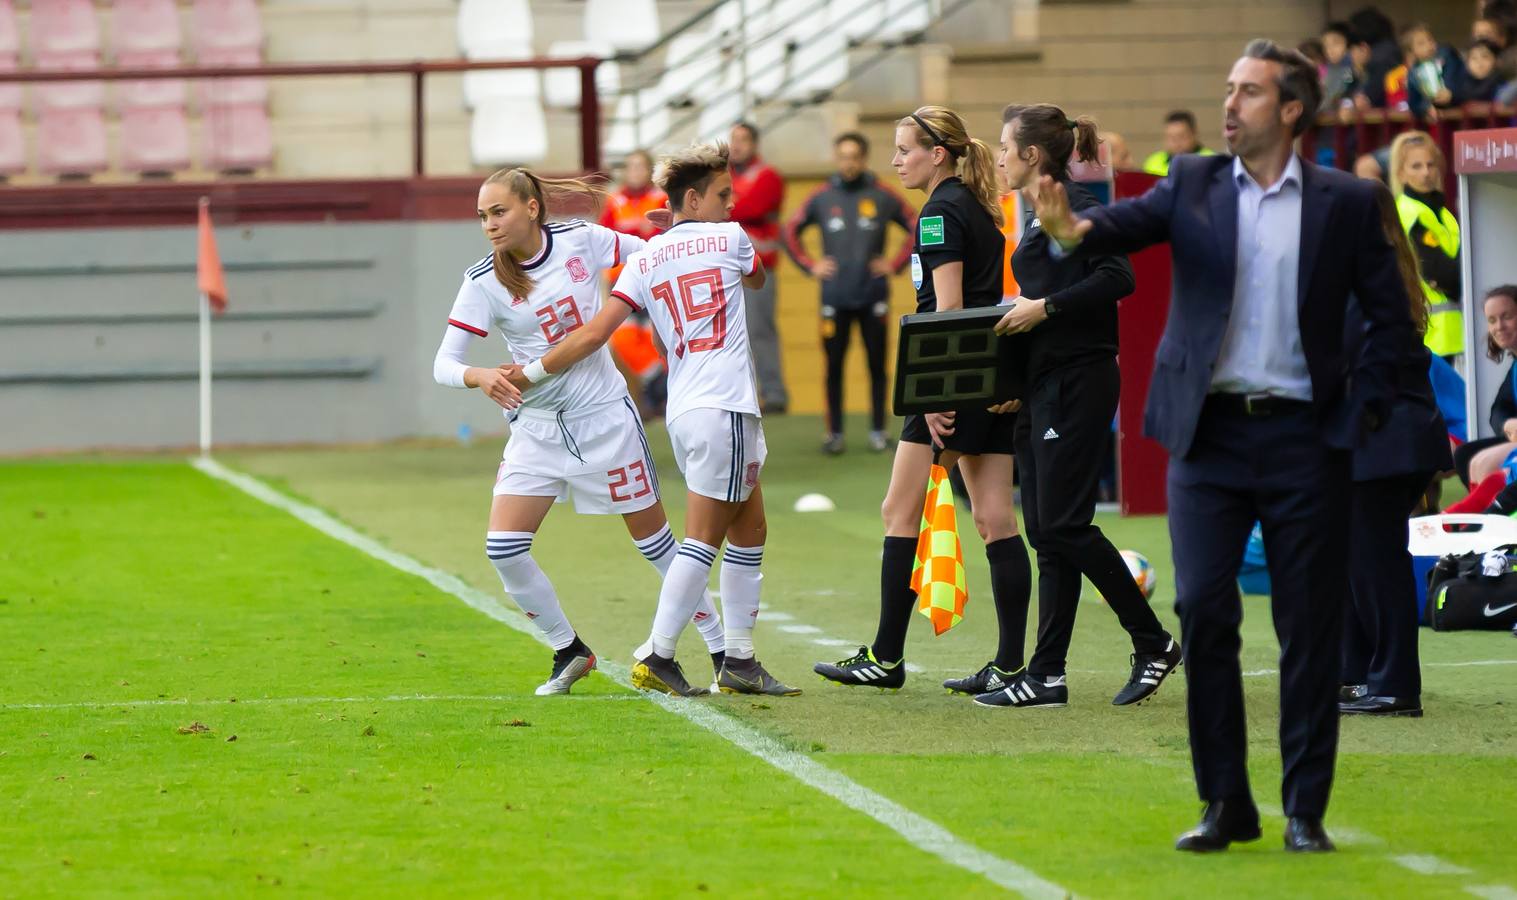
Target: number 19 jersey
689	279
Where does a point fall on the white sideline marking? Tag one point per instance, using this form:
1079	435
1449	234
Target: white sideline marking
777	616
301	701
800	629
1261	673
1429	865
1492	892
833	642
919	831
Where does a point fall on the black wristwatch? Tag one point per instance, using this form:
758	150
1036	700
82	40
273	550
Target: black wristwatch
1050	308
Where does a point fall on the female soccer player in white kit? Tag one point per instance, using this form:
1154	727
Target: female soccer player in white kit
690	279
580	435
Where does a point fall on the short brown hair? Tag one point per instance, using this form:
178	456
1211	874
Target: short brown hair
690	169
1298	79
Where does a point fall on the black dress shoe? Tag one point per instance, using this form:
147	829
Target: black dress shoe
1383	706
1304	835
1223	823
1351	692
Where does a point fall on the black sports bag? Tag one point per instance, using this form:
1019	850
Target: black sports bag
1474	591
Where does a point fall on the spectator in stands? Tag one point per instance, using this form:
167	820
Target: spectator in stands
757	193
1417	181
1312	49
1179	138
1489	30
1338	76
1375	30
1477	460
853	209
627	207
1435	74
1482	82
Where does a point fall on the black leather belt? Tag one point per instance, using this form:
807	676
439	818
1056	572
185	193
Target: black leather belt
1255	404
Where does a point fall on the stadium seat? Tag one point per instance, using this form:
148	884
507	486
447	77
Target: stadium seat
10	33
508	130
638	122
521	84
144	26
818	66
226	25
854	19
905	17
71	141
10	94
718	117
12	143
237	138
767	62
154	93
693	68
561	86
622	24
155	141
69	94
64	28
486	24
232	91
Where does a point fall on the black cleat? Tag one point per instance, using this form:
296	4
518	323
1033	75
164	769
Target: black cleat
655	673
1028	690
569	665
863	669
1148	672
988	680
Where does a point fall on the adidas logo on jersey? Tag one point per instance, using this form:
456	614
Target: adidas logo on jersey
1050	435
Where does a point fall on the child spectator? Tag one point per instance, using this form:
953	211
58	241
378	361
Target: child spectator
1435	75
1482	82
1337	65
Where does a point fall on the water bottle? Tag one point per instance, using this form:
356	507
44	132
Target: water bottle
465	434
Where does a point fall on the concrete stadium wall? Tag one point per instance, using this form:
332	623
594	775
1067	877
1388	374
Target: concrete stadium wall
329	336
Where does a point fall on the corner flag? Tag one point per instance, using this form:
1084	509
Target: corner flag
208	262
938	574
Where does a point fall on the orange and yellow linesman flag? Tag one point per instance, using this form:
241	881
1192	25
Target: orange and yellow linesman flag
938	573
208	262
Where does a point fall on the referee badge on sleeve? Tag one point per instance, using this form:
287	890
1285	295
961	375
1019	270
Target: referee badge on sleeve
916	271
930	231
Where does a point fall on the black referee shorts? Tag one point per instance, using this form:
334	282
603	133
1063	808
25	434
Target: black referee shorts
975	432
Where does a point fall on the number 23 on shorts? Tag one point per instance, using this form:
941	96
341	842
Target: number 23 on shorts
628	477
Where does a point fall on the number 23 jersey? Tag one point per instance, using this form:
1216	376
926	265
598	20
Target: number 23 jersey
566	295
690	280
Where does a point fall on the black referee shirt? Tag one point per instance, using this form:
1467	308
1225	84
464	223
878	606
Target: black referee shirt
954	227
1082	293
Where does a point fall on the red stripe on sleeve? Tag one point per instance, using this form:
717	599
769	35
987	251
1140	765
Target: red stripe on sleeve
756	262
469	328
627	300
617	257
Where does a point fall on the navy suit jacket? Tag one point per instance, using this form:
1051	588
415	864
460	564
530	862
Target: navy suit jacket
1413	439
1343	251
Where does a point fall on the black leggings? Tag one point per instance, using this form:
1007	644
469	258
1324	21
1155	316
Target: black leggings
837	328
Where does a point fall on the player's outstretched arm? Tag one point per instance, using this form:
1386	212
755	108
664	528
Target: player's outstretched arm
755	279
450	370
579	344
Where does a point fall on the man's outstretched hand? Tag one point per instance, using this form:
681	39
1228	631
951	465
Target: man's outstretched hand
1052	205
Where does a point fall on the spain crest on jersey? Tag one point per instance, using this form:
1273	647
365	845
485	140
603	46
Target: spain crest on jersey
578	273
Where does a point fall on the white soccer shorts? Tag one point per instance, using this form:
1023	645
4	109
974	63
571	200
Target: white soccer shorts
719	451
598	455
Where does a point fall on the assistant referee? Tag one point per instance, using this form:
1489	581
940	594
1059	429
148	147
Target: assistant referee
1064	424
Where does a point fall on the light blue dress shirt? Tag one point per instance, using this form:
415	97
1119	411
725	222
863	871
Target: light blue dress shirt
1261	349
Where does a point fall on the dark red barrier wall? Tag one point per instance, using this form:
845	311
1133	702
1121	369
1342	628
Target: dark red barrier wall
1141	463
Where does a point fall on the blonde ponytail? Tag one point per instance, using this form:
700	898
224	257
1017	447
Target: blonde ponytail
974	162
527	185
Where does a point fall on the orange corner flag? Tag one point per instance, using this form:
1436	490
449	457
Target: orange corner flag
208	262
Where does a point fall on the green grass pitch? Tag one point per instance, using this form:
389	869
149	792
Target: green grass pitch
203	695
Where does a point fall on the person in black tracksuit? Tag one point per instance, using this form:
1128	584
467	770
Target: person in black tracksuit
1065	420
955	263
852	208
1392	469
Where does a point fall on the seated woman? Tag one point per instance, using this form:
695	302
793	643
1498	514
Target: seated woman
1479	459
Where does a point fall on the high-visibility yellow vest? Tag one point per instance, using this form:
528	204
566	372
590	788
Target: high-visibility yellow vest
1445	320
1157	162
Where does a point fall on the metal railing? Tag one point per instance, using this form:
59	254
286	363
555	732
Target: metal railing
1355	132
589	118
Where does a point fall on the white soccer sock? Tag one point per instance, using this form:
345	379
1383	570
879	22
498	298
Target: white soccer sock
740	597
684	584
510	554
660	549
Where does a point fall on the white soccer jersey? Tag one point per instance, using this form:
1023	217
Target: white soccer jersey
690	280
566	295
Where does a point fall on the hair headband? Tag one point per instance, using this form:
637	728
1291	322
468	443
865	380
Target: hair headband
937	139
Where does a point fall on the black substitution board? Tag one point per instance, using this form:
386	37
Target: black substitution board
955	360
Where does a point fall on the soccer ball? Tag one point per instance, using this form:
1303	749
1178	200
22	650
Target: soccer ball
1142	572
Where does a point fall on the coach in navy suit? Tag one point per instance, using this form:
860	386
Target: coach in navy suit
1260	405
